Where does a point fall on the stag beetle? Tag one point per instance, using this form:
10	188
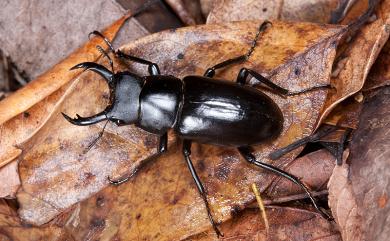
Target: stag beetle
197	108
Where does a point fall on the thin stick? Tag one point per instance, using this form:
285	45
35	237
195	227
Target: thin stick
261	206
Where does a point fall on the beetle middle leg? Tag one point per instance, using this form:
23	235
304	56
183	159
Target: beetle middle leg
162	147
210	72
246	152
244	73
199	185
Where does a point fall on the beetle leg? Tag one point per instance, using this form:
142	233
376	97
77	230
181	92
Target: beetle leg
246	152
210	72
162	147
244	72
336	148
199	185
152	67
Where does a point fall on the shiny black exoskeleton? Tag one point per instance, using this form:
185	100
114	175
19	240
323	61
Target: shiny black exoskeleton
197	108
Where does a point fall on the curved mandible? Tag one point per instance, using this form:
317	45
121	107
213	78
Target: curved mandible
97	68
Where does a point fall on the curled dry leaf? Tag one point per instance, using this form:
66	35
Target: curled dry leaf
28	109
358	57
161	200
162	203
206	6
359	192
346	114
380	71
318	11
189	11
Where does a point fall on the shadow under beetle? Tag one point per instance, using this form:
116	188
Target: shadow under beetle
197	108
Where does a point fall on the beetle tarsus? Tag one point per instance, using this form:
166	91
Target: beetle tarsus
105	54
99	34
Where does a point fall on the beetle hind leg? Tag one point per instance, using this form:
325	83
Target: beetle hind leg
246	152
199	185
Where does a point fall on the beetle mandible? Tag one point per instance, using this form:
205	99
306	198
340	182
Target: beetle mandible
197	108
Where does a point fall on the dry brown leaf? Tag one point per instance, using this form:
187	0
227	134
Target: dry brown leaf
359	192
318	11
56	175
380	72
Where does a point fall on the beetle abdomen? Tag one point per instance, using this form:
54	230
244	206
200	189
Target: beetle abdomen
225	113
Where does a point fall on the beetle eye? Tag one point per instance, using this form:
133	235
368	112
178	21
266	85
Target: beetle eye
119	122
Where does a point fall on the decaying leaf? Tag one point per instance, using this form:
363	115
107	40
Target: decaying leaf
56	174
318	11
359	190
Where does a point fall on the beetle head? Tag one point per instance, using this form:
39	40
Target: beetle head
125	89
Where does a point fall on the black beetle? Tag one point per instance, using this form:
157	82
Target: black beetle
197	108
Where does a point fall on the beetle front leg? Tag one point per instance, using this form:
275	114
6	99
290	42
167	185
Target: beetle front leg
246	152
152	67
162	147
199	185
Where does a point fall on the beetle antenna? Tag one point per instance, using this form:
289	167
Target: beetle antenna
96	139
262	28
105	54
